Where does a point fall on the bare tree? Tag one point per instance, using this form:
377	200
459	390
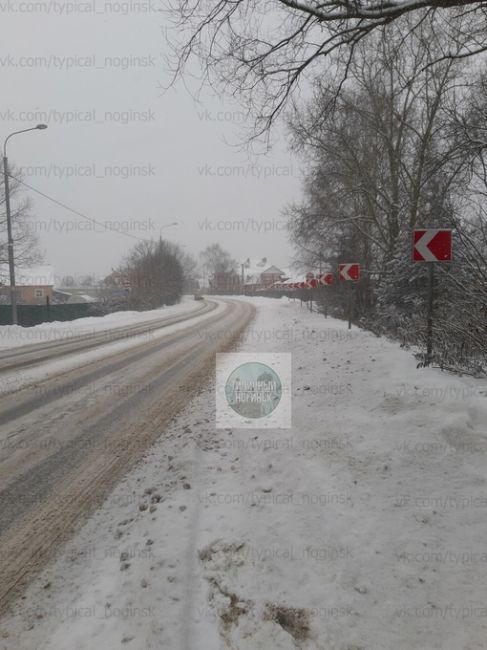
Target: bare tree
190	270
264	51
154	273
388	158
219	270
215	260
384	157
23	226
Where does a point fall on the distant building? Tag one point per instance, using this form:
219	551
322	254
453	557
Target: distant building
257	274
251	275
33	285
271	275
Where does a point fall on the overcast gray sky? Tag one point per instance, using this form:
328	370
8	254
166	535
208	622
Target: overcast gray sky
121	150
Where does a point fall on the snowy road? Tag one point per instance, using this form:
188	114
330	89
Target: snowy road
79	341
362	527
66	436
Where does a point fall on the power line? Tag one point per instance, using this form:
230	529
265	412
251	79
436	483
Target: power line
76	212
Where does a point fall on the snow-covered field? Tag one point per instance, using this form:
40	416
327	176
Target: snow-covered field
14	335
363	527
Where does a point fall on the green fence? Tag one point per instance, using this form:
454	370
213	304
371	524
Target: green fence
30	315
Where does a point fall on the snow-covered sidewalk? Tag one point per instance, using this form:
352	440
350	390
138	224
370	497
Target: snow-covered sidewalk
362	527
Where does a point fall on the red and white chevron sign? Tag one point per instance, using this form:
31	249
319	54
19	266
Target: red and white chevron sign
432	245
349	272
326	278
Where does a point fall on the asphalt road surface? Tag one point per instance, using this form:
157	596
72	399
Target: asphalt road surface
66	441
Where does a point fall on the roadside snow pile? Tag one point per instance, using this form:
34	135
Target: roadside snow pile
362	527
14	335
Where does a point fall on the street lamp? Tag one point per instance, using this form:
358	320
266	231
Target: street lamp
168	225
10	245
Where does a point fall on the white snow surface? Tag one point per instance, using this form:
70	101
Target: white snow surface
361	528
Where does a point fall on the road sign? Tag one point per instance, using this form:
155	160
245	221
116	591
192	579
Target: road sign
432	245
302	285
312	283
349	272
326	278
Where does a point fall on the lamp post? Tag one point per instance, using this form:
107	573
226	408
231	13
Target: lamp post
10	241
167	225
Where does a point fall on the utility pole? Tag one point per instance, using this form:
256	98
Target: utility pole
10	244
320	289
10	241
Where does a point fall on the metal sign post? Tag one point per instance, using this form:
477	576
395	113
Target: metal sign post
311	282
431	245
350	305
429	321
324	302
349	273
326	279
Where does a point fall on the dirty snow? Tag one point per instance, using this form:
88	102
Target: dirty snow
361	528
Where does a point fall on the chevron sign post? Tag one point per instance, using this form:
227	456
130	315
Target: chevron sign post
311	283
431	245
349	272
326	278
